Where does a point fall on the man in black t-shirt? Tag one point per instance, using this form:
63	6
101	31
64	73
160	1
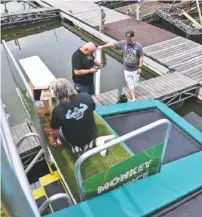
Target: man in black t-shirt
83	68
73	117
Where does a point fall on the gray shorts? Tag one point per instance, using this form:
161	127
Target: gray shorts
132	78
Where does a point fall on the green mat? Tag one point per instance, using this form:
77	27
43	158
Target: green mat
90	167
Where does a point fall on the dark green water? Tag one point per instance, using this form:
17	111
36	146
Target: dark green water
14	7
192	112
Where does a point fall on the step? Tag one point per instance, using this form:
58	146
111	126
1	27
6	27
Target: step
52	185
40	197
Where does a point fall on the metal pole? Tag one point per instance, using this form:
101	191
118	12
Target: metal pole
13	197
100	26
26	136
43	142
97	75
54	198
102	19
138	10
199	11
34	161
172	5
116	141
16	162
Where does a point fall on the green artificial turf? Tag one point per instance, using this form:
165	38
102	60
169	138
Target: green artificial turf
93	165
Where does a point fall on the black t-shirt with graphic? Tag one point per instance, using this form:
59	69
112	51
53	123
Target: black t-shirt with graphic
81	61
76	119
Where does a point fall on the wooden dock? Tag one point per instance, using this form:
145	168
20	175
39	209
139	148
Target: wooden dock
181	54
169	88
29	16
145	33
30	145
163	47
86	11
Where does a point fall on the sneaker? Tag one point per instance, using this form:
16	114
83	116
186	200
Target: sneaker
92	144
77	151
87	147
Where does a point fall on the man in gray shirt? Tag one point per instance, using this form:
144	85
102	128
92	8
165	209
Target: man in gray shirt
132	60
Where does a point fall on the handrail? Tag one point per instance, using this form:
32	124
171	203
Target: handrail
26	136
34	161
116	141
13	196
20	73
52	199
15	160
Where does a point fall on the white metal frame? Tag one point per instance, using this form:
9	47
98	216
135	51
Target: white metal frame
117	141
37	121
180	96
16	165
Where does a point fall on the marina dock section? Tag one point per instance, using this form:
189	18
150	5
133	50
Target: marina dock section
177	59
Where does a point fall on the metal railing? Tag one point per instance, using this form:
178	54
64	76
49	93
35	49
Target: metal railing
53	198
34	161
35	120
17	182
20	141
16	193
117	141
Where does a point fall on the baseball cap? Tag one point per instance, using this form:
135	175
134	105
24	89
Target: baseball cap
130	33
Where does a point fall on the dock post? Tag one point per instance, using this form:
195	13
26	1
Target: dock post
97	75
138	10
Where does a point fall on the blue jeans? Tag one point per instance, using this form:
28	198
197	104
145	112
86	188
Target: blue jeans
87	88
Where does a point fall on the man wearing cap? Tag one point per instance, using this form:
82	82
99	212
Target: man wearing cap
132	59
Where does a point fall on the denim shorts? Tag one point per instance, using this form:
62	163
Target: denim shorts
87	89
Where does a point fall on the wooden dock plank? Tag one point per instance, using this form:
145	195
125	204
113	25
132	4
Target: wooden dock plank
182	57
181	54
159	87
145	33
112	97
181	48
33	141
25	144
166	43
194	68
87	11
16	138
126	92
189	63
102	100
163	48
106	98
97	102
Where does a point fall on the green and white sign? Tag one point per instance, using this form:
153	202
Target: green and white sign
137	167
